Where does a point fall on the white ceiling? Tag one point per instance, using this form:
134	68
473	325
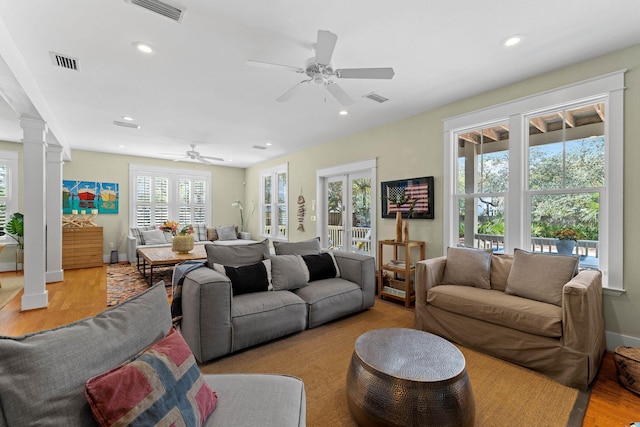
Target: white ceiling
197	89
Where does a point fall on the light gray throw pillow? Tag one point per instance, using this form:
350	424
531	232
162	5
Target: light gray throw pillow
227	232
153	237
306	247
43	375
288	272
468	267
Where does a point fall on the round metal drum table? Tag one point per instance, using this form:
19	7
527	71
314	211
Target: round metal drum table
405	377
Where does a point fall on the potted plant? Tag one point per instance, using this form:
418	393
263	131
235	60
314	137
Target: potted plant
398	199
14	228
566	240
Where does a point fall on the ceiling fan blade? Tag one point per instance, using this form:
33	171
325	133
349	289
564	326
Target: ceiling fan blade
339	94
365	73
203	160
217	159
324	46
289	94
273	66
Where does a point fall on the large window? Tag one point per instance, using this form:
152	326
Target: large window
161	194
519	173
274	204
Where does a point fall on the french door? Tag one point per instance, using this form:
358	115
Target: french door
347	210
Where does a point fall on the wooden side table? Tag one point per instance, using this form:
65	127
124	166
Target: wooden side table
389	282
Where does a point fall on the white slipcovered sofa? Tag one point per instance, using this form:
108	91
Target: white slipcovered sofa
150	236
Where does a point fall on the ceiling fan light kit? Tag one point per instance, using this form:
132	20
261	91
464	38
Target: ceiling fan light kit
320	70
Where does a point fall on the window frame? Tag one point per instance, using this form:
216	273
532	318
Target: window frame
174	176
10	159
608	88
273	173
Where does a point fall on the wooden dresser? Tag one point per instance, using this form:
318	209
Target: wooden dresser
81	247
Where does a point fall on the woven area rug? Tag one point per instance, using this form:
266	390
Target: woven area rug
9	288
505	394
125	281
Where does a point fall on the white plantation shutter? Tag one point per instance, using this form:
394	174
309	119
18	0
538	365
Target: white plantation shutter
4	193
162	194
274	202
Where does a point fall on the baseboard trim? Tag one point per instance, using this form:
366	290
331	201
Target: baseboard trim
33	301
54	276
615	339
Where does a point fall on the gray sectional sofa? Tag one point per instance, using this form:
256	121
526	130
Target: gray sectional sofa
43	375
221	314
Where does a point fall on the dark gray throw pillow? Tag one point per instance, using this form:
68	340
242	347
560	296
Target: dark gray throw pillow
320	266
306	247
248	278
237	255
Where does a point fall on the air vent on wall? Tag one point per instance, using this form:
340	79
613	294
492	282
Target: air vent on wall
259	147
63	61
160	8
375	97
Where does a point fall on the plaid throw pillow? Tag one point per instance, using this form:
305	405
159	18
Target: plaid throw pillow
137	233
163	383
200	231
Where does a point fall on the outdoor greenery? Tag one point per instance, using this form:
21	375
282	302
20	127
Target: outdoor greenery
573	165
361	201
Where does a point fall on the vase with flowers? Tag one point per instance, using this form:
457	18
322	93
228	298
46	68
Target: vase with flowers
566	239
169	227
238	204
183	241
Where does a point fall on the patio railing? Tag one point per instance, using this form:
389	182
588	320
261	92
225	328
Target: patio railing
360	238
538	244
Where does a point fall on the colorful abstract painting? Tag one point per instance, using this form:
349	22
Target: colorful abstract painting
86	197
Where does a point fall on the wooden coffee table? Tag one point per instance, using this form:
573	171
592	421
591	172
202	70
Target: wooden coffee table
165	256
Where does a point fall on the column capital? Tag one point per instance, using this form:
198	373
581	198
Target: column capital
34	130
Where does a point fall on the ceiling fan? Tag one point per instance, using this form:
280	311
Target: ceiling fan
320	70
194	156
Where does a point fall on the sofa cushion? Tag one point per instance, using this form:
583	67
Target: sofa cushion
288	272
247	278
236	256
468	267
330	299
153	237
496	307
42	375
163	383
321	266
500	268
227	232
137	233
540	277
305	247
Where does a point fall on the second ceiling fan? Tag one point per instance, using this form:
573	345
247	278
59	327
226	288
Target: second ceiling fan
320	70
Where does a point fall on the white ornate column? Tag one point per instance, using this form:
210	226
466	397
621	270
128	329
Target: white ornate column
54	272
34	166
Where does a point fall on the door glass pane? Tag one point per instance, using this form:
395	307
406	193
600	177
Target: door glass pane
361	215
334	214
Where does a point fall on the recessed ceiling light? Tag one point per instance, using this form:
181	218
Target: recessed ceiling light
513	40
268	144
122	146
343	112
143	47
127	118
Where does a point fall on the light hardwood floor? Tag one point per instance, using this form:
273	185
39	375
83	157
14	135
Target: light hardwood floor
83	294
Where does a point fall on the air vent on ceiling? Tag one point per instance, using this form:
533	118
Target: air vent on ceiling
375	97
126	125
63	61
160	8
259	147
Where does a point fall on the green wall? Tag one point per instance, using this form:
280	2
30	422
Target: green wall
414	147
